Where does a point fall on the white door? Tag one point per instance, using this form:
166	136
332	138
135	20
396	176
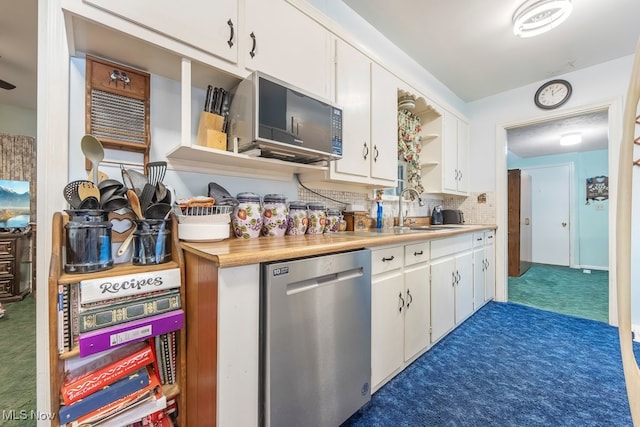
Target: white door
550	211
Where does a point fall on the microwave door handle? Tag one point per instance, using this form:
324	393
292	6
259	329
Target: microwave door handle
295	128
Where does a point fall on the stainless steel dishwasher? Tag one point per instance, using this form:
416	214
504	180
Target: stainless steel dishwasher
315	339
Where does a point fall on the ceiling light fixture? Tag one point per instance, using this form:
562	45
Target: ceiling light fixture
535	17
571	138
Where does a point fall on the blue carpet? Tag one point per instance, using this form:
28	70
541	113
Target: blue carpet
510	365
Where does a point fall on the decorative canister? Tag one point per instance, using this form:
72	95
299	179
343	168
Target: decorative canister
247	216
88	241
274	215
332	224
151	242
317	217
297	219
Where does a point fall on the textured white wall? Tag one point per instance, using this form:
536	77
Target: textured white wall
17	120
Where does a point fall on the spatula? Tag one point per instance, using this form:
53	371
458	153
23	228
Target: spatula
135	206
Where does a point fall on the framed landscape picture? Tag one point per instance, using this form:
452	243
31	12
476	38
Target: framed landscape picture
15	204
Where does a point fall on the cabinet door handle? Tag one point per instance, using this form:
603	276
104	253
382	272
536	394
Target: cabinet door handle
365	151
385	259
231	33
402	302
460	176
375	149
458	277
418	253
409	298
253	46
453	278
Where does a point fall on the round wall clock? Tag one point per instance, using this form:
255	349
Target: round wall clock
553	94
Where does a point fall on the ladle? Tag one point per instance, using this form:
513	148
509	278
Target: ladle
94	151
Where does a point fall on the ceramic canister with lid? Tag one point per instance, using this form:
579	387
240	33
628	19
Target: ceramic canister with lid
317	217
274	215
297	219
247	216
333	221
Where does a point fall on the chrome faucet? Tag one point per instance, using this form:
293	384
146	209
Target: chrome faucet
400	211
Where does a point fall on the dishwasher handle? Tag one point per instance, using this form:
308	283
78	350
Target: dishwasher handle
328	279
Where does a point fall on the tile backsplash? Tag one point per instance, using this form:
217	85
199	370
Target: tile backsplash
478	208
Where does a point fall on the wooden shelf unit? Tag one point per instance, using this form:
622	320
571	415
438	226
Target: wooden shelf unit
57	276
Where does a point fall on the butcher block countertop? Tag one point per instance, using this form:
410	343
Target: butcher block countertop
234	252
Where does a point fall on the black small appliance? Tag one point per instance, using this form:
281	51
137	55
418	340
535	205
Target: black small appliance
436	215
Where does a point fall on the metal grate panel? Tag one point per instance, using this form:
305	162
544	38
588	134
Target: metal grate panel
117	117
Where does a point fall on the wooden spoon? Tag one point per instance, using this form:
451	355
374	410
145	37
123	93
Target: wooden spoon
134	201
135	206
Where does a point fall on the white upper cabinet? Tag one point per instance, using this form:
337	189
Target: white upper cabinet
209	25
280	40
366	93
353	95
445	151
384	124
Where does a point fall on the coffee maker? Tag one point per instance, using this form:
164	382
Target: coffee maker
436	215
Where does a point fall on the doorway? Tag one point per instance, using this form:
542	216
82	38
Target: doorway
613	108
551	224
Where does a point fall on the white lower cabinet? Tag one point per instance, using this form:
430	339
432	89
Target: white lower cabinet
387	316
399	308
451	283
490	269
479	267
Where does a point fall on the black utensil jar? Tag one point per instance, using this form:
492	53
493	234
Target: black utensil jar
151	242
88	241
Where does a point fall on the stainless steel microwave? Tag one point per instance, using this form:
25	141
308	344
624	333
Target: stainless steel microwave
270	118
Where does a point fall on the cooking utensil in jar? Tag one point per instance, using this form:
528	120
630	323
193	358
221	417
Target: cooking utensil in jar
157	211
161	191
88	189
134	202
115	203
94	151
136	180
147	196
135	206
75	191
156	171
89	203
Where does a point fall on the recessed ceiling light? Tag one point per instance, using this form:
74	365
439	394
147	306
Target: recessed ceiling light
570	139
535	17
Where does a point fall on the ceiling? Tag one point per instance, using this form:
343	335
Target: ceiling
469	46
474	57
18	51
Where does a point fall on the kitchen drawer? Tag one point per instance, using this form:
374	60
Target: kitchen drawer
7	267
387	259
7	248
478	239
450	245
416	253
489	237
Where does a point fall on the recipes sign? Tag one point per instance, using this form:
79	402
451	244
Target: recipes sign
107	288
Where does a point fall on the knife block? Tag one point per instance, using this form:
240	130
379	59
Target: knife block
210	131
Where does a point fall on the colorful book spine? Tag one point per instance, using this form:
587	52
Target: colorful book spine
109	413
64	337
136	330
130	310
93	381
119	389
107	288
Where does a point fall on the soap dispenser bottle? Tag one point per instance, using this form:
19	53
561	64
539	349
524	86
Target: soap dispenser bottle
379	218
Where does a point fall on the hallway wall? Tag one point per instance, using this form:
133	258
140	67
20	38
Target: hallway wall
591	238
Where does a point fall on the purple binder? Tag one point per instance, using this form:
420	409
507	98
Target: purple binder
125	333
